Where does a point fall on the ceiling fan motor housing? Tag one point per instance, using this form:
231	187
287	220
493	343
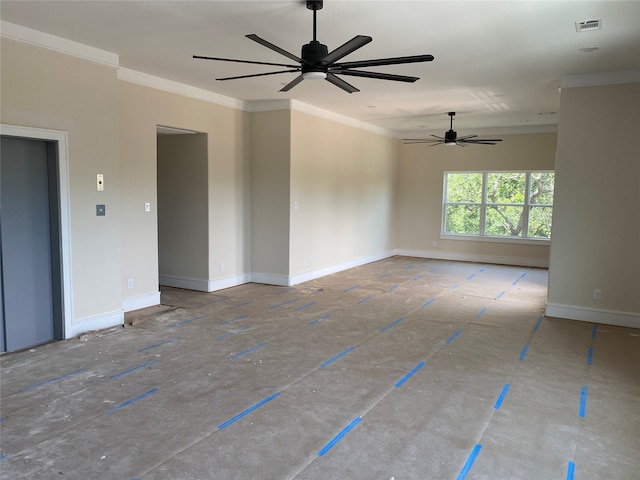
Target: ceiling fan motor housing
312	54
450	136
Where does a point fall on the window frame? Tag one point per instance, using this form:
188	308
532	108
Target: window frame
482	236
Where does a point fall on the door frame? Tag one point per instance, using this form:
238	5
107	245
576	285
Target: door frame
60	138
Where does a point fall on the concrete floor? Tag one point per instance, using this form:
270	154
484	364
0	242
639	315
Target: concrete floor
404	368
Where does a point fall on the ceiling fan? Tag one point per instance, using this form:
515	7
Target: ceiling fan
318	63
451	138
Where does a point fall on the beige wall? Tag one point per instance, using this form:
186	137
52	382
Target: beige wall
596	221
43	89
420	188
343	182
183	225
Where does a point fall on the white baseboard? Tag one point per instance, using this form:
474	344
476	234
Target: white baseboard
98	322
228	282
471	257
140	301
270	279
593	315
198	284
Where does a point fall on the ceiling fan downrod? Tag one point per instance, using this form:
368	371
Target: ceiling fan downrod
314	5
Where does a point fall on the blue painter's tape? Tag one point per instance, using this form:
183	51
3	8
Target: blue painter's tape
454	287
247	411
319	319
535	329
184	322
286	290
583	402
481	312
384	276
241	305
333	359
51	380
305	306
338	437
212	302
452	337
520	278
407	267
501	294
134	369
392	324
241	317
428	302
365	299
417	277
166	342
471	276
408	375
524	352
131	400
3	457
498	403
284	303
351	288
250	349
226	335
571	467
590	356
434	270
469	462
2	419
594	331
393	287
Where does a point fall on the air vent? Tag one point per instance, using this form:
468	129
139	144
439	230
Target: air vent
589	25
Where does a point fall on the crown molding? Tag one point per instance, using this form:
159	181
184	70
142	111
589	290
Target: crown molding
600	78
40	39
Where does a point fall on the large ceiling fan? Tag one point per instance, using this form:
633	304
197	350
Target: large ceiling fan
318	63
451	138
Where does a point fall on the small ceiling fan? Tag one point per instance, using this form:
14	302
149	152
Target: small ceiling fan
316	62
451	138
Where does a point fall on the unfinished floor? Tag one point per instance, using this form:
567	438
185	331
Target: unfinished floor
404	368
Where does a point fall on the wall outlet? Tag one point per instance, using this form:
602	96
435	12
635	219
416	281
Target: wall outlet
597	294
221	267
130	283
435	244
100	182
304	261
147	207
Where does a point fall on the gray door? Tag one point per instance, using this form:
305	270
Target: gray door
28	278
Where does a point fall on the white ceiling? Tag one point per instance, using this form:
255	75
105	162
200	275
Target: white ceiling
497	63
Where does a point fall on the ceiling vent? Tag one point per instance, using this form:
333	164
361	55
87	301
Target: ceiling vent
589	25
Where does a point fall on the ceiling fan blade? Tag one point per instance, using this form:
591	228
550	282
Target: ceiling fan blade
245	61
386	61
466	137
338	82
377	75
292	83
349	47
275	48
257	75
412	141
483	141
438	137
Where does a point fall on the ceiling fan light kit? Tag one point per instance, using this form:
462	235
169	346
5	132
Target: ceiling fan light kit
317	63
451	138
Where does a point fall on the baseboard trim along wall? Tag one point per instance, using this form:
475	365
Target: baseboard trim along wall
140	301
98	322
228	282
467	257
593	315
199	284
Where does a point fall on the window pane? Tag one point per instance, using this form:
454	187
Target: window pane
504	220
464	187
506	187
542	188
540	222
462	219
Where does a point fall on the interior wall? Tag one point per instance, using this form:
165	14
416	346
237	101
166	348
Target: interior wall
228	211
420	193
183	227
596	218
343	185
43	89
270	194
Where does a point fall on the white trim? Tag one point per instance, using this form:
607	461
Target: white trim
600	78
228	282
57	44
97	322
270	279
474	257
183	89
62	144
269	105
593	315
198	284
542	242
140	301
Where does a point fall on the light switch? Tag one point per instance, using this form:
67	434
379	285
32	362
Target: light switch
100	182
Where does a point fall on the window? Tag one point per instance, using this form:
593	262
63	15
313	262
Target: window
515	205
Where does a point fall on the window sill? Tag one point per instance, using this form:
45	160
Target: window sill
478	238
